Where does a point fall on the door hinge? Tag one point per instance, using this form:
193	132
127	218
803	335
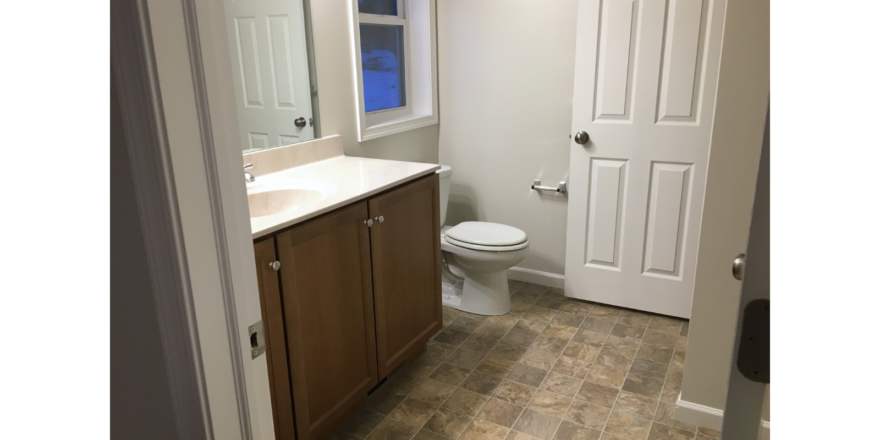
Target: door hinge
753	359
257	339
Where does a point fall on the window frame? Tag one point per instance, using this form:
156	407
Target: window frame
420	60
401	19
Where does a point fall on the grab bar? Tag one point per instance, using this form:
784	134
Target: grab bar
537	185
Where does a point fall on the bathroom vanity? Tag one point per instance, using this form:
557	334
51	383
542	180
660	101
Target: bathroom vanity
349	280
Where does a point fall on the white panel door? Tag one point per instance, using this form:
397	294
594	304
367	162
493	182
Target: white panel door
645	78
270	71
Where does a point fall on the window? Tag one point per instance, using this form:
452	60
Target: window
379	7
383	59
383	29
395	65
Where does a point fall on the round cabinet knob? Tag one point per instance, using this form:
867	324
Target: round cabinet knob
368	222
300	122
582	137
275	265
381	219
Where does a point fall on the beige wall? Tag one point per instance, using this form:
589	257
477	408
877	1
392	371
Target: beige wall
139	390
506	72
336	92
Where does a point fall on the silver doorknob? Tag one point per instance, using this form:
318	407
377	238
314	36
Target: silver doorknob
300	122
582	137
368	222
380	219
739	266
275	265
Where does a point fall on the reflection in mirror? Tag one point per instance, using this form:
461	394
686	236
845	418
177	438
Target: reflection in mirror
276	96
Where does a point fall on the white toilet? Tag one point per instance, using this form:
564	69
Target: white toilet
476	256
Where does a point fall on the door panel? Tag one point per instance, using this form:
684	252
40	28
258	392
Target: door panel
670	185
276	348
606	204
328	303
645	78
681	58
406	270
614	69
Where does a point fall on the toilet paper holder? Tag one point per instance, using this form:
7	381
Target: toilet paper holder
560	189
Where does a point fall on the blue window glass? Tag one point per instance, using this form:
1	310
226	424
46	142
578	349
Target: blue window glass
383	66
380	7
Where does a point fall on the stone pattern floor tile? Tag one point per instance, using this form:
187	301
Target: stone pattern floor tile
555	368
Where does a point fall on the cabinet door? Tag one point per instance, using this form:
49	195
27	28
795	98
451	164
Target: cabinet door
328	305
406	270
276	350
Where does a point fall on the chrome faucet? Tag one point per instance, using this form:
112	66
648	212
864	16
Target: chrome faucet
248	177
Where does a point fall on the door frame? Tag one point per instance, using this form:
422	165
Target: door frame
737	137
746	398
194	217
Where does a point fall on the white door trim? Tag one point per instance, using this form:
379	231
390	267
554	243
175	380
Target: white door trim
134	67
182	179
212	179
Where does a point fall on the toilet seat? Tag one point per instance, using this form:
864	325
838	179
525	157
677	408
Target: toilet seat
486	236
478	247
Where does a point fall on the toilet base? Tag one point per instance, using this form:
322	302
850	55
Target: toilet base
480	293
452	294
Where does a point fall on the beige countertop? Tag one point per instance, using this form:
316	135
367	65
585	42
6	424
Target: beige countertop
340	180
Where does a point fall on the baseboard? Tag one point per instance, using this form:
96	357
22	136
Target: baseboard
709	417
536	276
699	415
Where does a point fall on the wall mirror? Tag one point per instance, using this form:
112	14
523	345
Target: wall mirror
273	71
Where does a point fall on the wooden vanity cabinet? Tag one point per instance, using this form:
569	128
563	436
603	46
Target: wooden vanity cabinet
405	243
276	346
354	302
326	282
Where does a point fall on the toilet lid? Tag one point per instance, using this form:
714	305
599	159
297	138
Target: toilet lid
487	234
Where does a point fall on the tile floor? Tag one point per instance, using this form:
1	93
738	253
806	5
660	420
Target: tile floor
553	368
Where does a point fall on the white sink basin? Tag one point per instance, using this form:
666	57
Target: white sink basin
281	200
271	198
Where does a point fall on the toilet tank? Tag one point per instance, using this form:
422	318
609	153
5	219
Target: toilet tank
445	173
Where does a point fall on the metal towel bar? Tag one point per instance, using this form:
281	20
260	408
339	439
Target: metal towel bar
537	185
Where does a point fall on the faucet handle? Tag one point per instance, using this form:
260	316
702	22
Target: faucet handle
248	165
